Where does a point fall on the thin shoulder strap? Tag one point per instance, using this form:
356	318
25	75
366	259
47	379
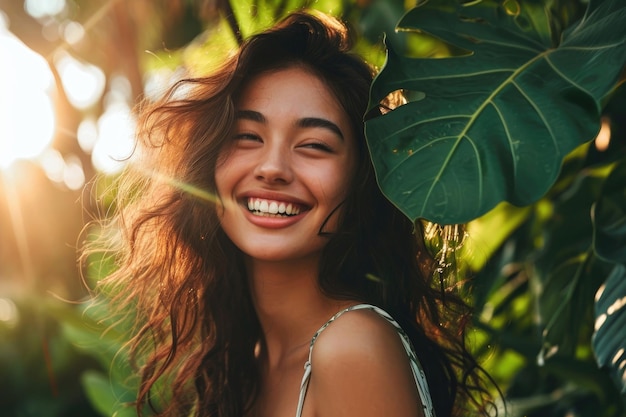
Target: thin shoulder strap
416	368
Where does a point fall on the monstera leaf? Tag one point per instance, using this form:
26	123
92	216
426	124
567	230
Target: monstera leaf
495	123
609	215
609	339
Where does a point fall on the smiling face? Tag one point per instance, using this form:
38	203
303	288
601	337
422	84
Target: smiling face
287	170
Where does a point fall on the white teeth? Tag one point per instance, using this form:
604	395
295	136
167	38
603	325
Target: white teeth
272	208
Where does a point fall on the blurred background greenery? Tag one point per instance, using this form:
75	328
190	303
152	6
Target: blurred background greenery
71	72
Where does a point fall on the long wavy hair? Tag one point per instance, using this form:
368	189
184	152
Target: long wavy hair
196	330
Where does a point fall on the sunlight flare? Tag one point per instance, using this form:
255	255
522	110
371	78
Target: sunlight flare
83	82
115	141
27	119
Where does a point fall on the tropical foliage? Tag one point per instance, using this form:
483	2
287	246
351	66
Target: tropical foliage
493	124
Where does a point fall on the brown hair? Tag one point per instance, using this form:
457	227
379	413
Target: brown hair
197	329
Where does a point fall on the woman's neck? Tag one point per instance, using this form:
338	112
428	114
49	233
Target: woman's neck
289	304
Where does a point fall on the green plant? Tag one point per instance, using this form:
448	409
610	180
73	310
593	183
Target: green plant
510	118
40	367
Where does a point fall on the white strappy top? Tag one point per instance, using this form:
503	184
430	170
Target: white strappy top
416	368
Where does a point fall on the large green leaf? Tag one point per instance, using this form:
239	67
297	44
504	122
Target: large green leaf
565	304
566	273
609	220
494	124
609	339
609	215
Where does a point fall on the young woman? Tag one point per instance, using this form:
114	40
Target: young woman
269	275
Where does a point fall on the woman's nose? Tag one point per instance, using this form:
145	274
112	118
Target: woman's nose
274	165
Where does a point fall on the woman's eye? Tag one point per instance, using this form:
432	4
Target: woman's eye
247	136
318	146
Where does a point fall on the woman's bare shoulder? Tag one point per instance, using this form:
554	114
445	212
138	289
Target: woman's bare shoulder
359	332
360	367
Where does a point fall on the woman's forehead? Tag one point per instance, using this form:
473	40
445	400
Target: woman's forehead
290	89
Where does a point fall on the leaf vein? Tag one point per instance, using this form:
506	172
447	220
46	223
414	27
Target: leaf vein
402	161
540	114
464	75
444	165
479	168
413	125
590	48
512	45
509	139
562	75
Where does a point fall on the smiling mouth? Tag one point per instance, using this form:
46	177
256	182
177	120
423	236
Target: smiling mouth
272	208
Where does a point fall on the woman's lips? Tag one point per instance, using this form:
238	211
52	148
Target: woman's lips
273	213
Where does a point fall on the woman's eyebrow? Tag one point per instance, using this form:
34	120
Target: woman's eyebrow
252	115
319	122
